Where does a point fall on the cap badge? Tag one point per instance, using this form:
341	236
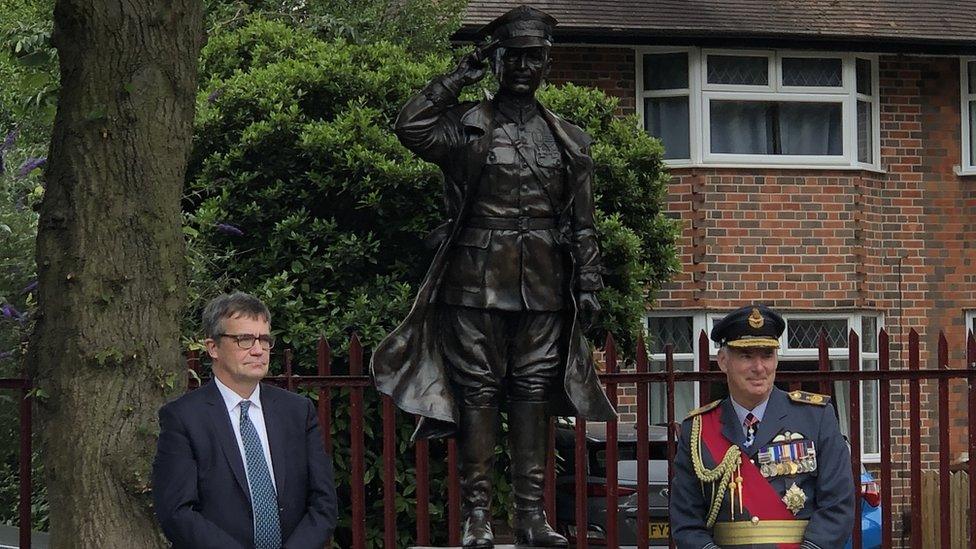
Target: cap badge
756	319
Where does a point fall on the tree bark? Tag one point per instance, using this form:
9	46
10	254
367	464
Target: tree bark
105	353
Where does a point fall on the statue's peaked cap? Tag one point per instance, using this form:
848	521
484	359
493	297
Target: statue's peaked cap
521	27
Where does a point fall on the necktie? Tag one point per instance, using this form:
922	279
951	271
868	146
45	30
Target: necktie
264	501
750	424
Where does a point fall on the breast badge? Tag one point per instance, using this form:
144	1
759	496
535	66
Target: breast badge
795	499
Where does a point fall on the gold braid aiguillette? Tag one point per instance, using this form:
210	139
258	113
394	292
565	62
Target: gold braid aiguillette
722	476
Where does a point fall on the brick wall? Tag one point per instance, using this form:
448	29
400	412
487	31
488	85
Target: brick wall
900	242
610	69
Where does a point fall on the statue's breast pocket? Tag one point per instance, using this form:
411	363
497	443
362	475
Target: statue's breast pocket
501	166
549	161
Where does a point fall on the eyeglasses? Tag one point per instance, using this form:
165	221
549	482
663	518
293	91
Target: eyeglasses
246	341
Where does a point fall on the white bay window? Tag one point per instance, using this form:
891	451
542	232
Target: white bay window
760	108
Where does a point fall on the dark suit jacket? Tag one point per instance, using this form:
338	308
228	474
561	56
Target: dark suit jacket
199	486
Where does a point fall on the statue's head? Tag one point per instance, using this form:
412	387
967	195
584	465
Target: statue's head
518	49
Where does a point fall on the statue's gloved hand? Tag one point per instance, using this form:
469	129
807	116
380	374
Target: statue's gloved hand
470	69
589	308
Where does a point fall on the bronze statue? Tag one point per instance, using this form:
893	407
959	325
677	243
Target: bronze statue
497	318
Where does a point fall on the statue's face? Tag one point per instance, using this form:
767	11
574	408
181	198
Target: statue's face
520	71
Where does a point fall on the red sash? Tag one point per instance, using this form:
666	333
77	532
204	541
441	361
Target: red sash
758	496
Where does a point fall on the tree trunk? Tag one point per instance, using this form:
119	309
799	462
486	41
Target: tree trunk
105	353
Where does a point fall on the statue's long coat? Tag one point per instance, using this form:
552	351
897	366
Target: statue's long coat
408	364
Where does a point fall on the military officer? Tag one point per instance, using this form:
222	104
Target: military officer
497	319
763	467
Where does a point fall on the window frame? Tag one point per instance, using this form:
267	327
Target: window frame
704	320
967	164
700	94
694	116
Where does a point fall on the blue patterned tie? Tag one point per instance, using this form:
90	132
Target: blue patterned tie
267	531
750	424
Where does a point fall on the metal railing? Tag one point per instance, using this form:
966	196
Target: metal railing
324	384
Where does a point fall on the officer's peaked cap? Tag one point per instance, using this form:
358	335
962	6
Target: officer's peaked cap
750	326
521	27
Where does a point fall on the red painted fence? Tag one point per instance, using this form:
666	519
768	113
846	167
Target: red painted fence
325	384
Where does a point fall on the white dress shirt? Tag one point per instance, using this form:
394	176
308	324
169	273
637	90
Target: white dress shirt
233	402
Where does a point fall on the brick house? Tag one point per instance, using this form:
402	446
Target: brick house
823	161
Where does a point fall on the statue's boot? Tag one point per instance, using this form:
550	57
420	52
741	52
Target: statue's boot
528	437
476	445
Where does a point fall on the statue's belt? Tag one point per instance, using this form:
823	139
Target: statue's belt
744	532
511	223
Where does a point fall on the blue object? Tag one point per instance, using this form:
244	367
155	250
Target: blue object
870	519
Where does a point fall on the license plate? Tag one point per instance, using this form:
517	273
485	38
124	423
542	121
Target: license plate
658	530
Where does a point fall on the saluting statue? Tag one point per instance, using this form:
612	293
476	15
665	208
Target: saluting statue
497	320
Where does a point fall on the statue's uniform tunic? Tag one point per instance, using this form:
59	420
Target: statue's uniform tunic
504	283
797	487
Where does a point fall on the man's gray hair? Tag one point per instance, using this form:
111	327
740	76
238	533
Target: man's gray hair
230	306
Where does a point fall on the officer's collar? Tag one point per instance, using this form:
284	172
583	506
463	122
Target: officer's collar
516	109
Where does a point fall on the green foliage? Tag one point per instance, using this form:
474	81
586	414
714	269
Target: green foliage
28	70
299	192
419	26
19	193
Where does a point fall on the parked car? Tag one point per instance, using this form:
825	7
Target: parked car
657	467
596	484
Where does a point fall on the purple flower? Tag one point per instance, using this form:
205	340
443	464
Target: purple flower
214	95
30	165
6	354
229	229
29	288
8	142
11	312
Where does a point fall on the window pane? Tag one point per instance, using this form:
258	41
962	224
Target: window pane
667	119
864	76
675	330
811	128
805	333
766	127
869	334
865	133
972	133
809	71
870	435
738	70
666	71
842	398
972	76
684	394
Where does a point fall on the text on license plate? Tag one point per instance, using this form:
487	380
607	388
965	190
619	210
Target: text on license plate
658	530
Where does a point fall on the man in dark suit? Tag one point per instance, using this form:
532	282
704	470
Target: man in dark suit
240	464
762	468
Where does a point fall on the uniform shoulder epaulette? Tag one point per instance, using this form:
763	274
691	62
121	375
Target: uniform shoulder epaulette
703	409
809	398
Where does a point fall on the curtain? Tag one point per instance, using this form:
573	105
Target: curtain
765	127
